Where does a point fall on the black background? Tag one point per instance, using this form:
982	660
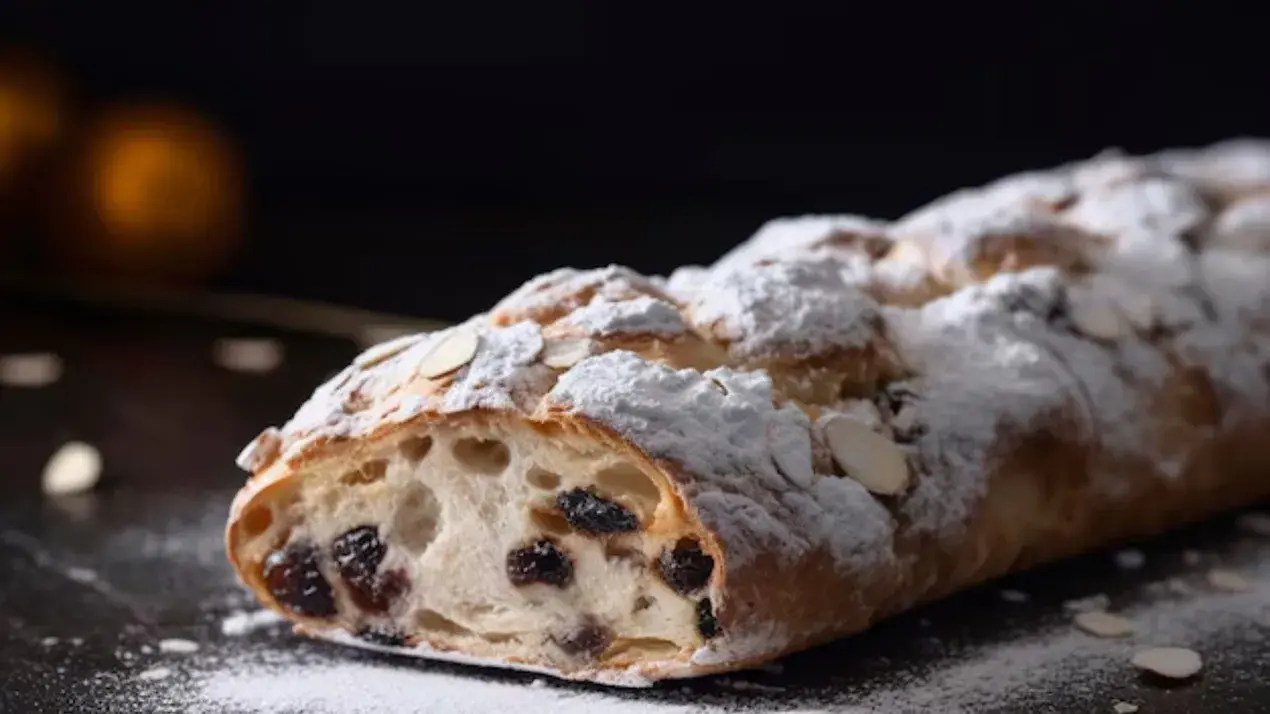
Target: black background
428	157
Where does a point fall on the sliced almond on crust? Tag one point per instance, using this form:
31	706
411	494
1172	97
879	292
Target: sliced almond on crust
1229	580
451	353
261	451
1171	662
1097	318
385	350
1103	624
868	457
563	354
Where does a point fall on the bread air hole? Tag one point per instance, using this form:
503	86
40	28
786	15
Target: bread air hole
486	456
627	480
543	479
433	621
369	472
414	525
257	520
640	649
415	448
549	521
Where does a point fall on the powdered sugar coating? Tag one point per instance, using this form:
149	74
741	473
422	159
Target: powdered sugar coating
1244	226
552	295
792	308
504	374
726	443
642	316
848	238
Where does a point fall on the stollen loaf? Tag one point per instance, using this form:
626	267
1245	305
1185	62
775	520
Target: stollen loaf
621	479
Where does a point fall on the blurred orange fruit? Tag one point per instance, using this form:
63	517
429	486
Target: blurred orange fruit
156	192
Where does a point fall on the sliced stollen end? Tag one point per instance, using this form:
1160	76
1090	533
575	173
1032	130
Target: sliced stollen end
605	536
549	543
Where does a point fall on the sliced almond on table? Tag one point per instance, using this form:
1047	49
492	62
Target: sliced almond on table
1103	624
866	456
35	369
385	350
563	354
451	353
250	355
74	468
1171	662
1229	580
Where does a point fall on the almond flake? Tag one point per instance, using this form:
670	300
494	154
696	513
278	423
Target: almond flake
385	350
255	356
74	468
450	354
563	354
1097	319
1103	624
868	457
261	451
36	369
1229	580
1171	662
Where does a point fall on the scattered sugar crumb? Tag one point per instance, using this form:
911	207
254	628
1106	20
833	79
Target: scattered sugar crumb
1255	523
74	468
1013	595
30	370
1091	603
1124	708
250	355
146	649
1130	558
154	674
538	683
76	641
178	646
49	641
241	623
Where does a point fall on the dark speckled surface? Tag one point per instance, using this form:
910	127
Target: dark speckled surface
140	559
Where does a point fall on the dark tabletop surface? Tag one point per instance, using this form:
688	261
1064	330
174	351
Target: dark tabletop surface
90	584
